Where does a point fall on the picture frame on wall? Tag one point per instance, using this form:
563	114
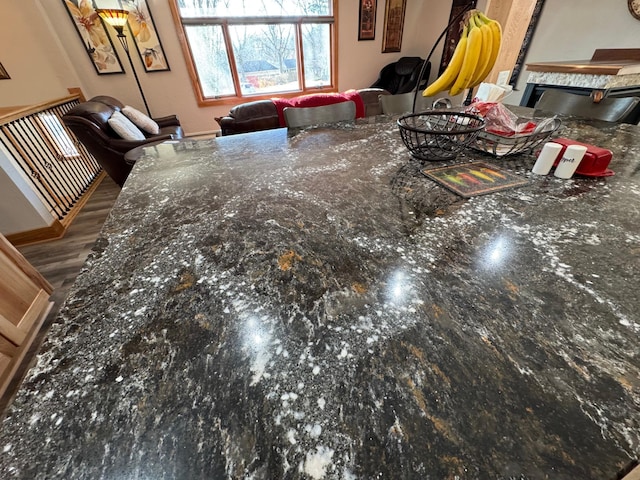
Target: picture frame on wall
393	25
3	73
97	43
454	32
367	20
145	36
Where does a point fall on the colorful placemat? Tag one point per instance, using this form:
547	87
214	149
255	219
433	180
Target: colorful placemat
477	178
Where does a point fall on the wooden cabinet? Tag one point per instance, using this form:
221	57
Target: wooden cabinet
24	304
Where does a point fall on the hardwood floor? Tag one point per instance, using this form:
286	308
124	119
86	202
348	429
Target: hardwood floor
60	261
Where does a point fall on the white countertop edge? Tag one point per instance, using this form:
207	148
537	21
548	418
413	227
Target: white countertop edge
584	80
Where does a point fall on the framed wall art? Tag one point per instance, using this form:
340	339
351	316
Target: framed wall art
97	43
145	36
3	73
393	25
367	22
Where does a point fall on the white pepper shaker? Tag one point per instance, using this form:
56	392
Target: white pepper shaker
570	160
547	156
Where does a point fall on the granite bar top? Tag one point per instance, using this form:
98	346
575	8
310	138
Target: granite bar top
308	305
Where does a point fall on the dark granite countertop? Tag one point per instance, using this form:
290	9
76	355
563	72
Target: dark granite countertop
308	306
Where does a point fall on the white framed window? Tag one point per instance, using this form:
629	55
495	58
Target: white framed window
257	48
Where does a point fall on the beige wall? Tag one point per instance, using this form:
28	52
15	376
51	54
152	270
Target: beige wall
49	57
360	62
31	55
20	208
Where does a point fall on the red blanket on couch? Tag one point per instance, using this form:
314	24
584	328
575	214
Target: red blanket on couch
317	100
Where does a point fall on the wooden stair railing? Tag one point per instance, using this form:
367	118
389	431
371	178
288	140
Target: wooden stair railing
58	168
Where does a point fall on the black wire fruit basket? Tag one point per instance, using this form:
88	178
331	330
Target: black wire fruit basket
438	135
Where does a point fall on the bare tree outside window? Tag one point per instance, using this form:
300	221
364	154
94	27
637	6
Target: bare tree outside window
241	48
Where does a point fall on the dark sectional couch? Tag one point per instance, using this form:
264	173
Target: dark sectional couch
266	114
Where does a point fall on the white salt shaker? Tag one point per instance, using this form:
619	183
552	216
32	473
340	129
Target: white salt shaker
570	160
547	156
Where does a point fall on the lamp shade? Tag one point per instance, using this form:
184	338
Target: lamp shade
114	17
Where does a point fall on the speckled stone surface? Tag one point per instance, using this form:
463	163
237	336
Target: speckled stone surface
584	80
310	306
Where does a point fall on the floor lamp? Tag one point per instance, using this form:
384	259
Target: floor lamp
118	19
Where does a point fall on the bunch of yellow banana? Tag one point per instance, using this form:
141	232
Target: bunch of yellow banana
473	57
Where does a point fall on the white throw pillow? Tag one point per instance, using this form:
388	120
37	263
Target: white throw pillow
141	120
124	128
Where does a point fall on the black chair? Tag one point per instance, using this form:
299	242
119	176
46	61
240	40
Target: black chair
402	76
617	110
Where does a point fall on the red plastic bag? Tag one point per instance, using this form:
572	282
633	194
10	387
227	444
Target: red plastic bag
500	120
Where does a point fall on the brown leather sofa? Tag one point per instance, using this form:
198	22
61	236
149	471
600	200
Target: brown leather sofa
88	122
263	114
